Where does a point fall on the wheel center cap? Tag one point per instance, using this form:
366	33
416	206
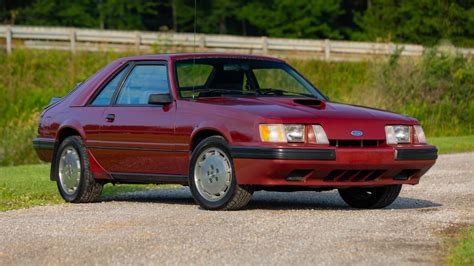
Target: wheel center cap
213	174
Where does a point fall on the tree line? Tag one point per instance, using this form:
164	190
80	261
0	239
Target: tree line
424	22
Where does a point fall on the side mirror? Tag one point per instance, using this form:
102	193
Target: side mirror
160	98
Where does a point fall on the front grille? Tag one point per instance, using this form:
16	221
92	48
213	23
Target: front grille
355	143
353	175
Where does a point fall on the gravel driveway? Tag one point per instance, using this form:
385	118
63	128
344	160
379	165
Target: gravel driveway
163	226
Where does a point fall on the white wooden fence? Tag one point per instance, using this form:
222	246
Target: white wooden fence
75	39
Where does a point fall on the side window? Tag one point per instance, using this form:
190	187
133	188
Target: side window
105	96
143	81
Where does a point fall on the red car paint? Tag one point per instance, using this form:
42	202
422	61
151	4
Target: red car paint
157	141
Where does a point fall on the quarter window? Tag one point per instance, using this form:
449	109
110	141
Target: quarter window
105	96
143	81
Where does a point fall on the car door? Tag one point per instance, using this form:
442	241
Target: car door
91	115
137	137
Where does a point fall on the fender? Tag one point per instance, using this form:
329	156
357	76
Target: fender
214	126
71	124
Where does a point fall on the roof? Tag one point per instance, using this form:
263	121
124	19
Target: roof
197	55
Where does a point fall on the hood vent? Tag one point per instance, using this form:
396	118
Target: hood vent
311	103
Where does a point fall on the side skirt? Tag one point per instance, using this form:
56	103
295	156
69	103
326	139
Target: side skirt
134	178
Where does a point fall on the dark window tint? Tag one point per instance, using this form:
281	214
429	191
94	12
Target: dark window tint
143	81
105	96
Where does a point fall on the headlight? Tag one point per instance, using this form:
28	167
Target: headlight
282	133
397	134
295	133
419	134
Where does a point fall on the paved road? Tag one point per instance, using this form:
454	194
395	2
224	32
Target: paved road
163	226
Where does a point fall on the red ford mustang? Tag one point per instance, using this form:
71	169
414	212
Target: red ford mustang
226	125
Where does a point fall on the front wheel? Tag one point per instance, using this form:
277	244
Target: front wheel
212	179
370	198
75	181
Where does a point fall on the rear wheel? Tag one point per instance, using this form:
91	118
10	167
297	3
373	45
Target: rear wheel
212	179
370	198
74	179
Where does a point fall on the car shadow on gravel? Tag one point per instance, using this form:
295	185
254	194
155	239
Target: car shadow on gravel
267	200
325	201
161	195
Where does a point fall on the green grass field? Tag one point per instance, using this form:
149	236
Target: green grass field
461	250
453	144
29	185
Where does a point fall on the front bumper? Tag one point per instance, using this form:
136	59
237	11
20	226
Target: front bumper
332	167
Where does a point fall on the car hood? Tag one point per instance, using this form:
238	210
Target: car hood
338	120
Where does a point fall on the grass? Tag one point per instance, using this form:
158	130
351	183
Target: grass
453	144
29	185
461	251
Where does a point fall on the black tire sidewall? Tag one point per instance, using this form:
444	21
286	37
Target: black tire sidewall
210	142
382	197
77	144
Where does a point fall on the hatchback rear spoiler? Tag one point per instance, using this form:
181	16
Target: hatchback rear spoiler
54	100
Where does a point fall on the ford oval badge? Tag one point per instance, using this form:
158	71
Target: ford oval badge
357	133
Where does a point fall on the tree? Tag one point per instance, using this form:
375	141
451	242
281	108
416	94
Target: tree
421	21
217	16
295	18
124	14
9	10
78	13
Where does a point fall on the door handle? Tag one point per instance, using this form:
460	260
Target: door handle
110	118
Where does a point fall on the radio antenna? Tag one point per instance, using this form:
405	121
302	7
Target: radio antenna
194	46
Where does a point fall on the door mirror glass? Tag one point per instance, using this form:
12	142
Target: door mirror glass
160	98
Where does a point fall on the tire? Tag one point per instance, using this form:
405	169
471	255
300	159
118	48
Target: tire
219	189
74	179
370	198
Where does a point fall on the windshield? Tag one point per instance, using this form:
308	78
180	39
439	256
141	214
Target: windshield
215	77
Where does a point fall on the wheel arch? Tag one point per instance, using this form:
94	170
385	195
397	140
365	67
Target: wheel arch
64	131
69	128
203	133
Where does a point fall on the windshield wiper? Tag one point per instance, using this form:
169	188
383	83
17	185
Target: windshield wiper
220	91
267	91
213	92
